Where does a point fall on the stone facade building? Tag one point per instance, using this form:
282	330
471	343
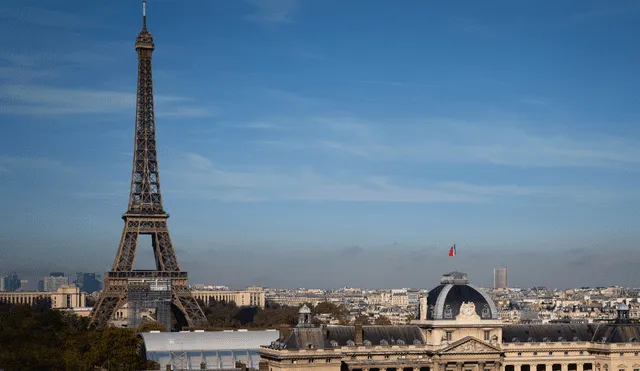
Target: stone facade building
458	329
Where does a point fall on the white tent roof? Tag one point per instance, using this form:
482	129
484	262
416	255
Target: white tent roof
206	341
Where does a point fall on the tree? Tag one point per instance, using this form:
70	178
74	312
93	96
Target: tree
382	320
149	326
362	319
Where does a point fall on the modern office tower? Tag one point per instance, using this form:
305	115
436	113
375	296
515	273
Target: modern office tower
53	282
88	282
11	282
500	278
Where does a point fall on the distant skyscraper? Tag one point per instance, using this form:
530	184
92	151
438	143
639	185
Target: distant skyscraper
88	282
53	282
500	278
11	282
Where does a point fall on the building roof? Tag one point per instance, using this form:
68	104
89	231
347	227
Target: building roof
209	340
336	336
609	333
445	300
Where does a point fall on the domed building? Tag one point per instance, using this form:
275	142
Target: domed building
455	296
458	329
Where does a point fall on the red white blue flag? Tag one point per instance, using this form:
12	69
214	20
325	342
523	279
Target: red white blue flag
452	250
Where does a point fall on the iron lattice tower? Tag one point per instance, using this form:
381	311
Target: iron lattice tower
145	215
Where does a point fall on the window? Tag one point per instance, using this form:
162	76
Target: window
448	313
487	335
550	353
621	354
328	360
519	354
566	353
535	353
448	335
485	312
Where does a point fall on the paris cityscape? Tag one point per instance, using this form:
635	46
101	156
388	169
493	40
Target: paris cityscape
352	186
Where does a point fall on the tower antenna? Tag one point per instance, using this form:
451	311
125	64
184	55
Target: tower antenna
144	14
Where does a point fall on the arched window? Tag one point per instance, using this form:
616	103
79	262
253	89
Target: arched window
333	343
367	343
350	343
400	342
448	313
486	312
384	342
417	342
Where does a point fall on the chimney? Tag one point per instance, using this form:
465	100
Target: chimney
168	368
423	308
359	334
285	332
325	331
263	366
203	365
241	365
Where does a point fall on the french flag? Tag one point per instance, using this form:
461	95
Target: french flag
452	250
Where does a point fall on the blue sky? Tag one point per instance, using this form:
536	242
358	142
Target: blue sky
363	136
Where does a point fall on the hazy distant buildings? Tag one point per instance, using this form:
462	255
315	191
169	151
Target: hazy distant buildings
53	282
65	297
88	282
500	278
10	282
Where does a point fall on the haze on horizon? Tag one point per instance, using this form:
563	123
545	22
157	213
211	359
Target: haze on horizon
330	143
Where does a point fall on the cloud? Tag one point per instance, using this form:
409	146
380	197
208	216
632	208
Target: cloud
272	11
46	17
196	176
595	14
447	141
42	100
9	163
398	83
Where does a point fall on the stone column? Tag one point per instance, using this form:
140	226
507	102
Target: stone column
580	366
497	366
481	366
565	367
459	366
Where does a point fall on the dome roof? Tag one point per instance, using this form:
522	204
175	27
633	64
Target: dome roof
623	306
444	301
304	310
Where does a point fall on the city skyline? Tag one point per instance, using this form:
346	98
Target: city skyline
300	132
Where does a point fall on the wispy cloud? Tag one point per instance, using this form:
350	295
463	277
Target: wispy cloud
46	17
272	11
462	142
611	11
10	163
198	177
41	100
398	83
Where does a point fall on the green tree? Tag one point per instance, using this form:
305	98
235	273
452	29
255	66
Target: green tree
151	326
382	320
362	319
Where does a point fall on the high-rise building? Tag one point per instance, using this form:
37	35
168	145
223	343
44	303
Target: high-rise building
53	282
500	278
11	282
88	282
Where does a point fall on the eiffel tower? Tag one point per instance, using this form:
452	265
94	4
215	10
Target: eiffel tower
145	216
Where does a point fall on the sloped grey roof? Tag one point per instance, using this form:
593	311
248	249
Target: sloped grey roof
547	332
607	332
210	340
322	338
617	333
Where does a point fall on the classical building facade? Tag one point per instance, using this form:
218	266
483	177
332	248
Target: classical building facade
242	298
458	329
65	297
